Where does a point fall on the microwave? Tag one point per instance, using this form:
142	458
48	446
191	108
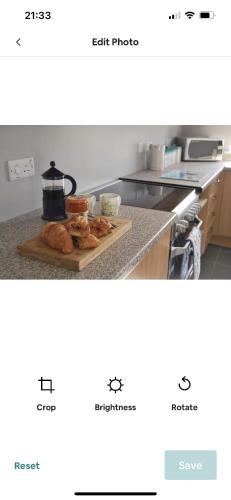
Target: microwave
201	149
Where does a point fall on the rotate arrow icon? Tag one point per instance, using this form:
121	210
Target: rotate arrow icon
187	382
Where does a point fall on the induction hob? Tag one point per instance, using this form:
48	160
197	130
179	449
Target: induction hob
151	196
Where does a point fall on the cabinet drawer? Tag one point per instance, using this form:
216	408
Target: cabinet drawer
155	264
211	221
224	223
211	210
210	232
215	185
212	204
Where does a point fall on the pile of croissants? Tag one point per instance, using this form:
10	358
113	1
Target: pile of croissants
87	233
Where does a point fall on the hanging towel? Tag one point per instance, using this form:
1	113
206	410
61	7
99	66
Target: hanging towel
185	262
195	240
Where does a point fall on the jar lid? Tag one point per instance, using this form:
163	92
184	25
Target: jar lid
77	204
52	173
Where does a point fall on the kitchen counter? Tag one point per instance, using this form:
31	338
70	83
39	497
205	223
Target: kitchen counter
115	263
227	165
206	171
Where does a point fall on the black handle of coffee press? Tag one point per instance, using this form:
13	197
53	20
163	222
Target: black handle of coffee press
74	185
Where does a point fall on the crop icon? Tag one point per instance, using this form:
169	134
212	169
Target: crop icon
46	384
189	14
115	384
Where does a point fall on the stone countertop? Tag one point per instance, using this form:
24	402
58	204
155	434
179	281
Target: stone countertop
206	171
115	263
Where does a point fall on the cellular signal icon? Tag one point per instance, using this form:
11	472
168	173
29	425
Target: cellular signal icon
175	16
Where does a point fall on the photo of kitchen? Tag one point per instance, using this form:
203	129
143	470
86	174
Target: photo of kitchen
115	202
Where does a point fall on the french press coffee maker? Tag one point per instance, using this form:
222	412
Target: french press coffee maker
54	194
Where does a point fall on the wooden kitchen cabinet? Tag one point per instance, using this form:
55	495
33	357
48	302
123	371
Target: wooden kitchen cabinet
155	264
210	200
223	228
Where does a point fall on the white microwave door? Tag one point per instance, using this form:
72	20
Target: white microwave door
203	149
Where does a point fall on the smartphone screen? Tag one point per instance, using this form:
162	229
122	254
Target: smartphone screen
115	250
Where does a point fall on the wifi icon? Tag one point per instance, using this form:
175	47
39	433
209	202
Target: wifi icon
190	14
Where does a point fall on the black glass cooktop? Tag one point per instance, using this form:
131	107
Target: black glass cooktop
139	194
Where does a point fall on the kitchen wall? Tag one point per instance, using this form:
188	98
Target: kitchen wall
91	154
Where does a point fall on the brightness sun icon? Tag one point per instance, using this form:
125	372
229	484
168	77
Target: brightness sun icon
115	384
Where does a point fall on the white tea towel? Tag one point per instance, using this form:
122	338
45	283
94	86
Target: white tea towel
195	239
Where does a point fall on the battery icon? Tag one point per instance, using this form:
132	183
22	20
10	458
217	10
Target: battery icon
207	15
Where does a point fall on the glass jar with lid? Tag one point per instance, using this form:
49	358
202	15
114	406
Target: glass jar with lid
77	205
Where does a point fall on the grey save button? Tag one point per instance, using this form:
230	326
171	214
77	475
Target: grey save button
191	465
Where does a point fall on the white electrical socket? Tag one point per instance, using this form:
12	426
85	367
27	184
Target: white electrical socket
18	169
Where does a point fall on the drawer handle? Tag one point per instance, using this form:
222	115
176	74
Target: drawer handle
218	181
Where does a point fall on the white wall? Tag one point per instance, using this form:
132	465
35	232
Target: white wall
91	154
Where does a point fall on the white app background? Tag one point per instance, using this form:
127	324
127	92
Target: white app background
83	334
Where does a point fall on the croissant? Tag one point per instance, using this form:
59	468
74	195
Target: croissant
76	226
56	236
89	241
100	227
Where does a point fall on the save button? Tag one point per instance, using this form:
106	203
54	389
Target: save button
191	465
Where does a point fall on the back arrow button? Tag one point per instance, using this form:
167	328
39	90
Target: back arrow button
18	42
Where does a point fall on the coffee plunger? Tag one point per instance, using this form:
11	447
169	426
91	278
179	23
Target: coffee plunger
54	196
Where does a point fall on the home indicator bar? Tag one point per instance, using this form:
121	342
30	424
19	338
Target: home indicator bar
116	493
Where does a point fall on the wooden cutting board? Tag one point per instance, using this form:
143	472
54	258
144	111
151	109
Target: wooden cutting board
78	259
